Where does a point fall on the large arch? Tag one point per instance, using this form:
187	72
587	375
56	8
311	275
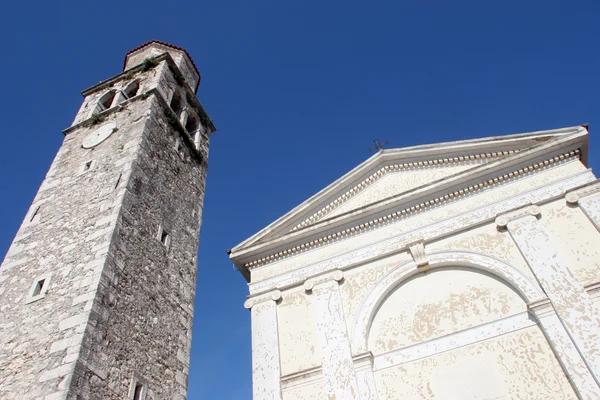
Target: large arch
527	289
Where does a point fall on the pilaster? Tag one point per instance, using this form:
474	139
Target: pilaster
337	363
588	199
363	365
574	307
266	369
574	367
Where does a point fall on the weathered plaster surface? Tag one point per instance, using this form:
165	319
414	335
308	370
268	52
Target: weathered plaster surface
297	336
573	305
438	303
485	240
575	238
519	365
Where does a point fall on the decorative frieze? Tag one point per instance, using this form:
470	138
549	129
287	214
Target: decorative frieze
409	211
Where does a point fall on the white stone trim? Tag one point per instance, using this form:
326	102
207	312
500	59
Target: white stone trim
574	367
574	307
409	210
336	354
452	341
266	368
574	196
428	233
514	278
363	365
43	291
417	252
137	378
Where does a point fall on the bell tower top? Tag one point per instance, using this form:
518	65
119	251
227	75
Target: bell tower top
154	48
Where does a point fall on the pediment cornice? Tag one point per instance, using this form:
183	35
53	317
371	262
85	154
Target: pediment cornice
502	167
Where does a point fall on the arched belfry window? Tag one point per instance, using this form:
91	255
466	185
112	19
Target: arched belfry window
132	89
177	104
105	101
191	125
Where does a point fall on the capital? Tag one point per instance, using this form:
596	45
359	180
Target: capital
541	308
574	196
274	295
336	276
503	219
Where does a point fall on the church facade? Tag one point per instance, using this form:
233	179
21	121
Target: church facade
97	289
462	270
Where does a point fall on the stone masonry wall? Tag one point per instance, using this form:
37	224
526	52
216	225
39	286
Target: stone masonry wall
149	288
118	304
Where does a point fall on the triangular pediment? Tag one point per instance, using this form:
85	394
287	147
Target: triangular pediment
391	175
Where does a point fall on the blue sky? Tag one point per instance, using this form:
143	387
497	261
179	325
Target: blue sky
298	91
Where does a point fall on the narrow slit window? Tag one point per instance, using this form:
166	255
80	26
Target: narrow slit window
118	181
164	237
137	392
38	287
132	89
35	214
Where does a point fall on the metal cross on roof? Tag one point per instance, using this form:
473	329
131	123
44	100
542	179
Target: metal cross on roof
378	145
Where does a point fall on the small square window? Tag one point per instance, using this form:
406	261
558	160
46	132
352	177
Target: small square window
87	166
38	289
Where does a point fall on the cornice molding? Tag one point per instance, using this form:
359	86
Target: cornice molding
395	168
409	211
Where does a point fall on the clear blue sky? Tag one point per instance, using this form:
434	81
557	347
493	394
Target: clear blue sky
298	91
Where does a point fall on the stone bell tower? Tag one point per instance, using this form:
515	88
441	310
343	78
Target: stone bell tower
97	289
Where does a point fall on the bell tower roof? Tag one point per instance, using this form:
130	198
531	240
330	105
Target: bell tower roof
154	48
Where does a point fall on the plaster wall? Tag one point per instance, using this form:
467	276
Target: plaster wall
519	365
439	303
576	239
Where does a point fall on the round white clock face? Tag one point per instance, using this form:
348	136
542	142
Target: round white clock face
98	135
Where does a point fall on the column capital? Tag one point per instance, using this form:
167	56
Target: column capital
274	295
363	360
502	220
337	275
541	308
573	196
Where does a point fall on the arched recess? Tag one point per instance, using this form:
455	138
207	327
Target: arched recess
527	289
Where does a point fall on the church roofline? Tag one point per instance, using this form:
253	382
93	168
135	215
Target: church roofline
570	135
